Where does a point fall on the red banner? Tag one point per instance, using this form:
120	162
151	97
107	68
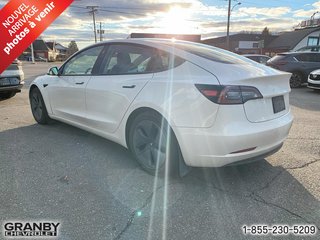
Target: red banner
22	21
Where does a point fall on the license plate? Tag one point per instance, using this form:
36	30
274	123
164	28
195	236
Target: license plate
5	82
278	104
9	81
14	81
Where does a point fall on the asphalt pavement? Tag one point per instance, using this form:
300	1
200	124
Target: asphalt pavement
95	189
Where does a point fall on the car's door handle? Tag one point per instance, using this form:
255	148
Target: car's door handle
131	86
79	83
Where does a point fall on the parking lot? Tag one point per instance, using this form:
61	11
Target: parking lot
95	189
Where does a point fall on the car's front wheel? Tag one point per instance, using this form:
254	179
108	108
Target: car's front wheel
296	80
153	144
38	107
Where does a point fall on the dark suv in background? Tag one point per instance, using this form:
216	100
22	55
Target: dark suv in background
300	64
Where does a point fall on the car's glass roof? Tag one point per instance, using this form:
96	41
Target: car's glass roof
202	50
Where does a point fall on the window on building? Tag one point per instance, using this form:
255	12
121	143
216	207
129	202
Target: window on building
255	45
312	41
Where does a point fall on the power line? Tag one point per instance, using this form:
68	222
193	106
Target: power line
104	9
140	14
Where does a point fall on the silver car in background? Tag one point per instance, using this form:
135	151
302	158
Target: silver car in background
314	80
11	80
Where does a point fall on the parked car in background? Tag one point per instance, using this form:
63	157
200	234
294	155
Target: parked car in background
159	97
11	80
258	58
314	80
40	59
300	64
315	48
26	58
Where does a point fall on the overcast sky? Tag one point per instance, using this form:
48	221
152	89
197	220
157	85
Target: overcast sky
119	18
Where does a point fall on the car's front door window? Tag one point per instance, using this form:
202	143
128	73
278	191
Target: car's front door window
82	63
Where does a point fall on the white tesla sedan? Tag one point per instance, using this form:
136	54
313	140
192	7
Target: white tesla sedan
169	100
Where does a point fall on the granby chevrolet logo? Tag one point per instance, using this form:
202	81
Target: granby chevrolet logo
31	230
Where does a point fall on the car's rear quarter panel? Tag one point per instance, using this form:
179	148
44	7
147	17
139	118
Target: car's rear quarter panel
173	94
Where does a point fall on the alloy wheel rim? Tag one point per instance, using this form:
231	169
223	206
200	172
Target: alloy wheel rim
36	105
149	142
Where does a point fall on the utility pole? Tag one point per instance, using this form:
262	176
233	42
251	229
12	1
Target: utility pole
93	10
101	32
228	25
32	53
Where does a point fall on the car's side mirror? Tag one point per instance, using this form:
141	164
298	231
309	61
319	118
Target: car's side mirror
54	71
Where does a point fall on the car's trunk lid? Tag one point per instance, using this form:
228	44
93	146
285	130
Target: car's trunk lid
273	85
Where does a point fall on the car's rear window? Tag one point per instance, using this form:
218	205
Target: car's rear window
13	66
211	53
278	57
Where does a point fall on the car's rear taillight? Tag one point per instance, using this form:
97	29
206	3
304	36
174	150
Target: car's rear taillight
229	94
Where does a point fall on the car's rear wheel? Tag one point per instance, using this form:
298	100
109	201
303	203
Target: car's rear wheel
38	107
296	80
153	144
7	95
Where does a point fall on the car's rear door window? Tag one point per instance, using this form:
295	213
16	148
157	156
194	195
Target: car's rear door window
136	59
308	57
126	59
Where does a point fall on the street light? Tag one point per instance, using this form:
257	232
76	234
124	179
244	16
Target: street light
228	23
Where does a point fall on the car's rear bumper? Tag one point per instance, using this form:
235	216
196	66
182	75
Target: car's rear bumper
226	143
15	88
258	157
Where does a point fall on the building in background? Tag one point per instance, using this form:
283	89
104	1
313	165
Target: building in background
292	41
52	51
243	43
49	51
306	34
61	52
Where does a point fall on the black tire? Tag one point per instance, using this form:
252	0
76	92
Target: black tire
7	95
153	144
296	80
38	107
